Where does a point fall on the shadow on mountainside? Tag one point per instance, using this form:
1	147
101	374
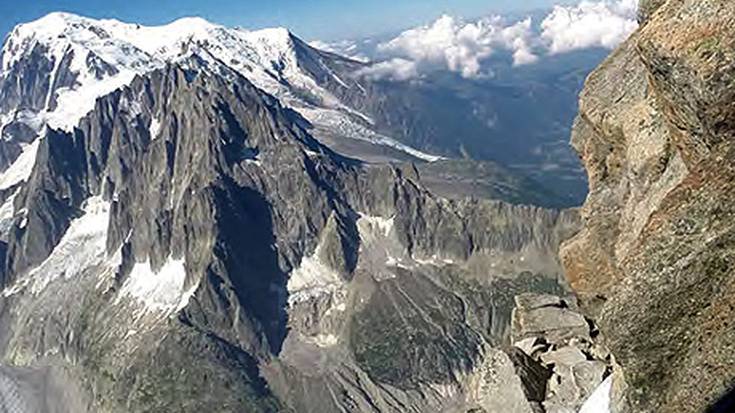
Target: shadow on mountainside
246	227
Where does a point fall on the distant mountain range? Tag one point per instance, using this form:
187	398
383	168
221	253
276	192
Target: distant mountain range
519	119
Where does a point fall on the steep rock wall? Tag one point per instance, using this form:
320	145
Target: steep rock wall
654	264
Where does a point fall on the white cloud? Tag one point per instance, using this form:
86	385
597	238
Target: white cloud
396	69
518	38
464	47
456	46
589	24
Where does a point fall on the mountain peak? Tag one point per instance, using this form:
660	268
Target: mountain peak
104	54
50	26
66	27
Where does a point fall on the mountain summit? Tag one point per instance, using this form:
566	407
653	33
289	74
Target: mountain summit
87	58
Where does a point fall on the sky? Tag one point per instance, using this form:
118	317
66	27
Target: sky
310	19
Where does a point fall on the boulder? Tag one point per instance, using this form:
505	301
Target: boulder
547	316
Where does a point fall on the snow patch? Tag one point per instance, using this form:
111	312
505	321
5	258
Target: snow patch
311	279
159	291
154	128
7	211
435	261
599	401
324	340
74	104
24	220
379	248
21	169
368	222
83	246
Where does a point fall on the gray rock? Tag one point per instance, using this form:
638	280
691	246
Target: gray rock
532	346
502	390
534	376
527	302
548	317
565	356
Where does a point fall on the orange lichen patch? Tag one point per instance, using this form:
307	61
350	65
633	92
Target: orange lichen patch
588	269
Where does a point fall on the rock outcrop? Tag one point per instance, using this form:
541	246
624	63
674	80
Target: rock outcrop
654	263
646	8
559	347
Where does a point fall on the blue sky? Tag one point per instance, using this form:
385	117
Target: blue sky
310	19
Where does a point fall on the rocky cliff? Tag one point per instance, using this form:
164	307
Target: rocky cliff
654	263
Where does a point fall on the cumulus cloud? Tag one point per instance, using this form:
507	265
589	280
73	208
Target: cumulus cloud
463	47
589	24
396	69
518	38
460	47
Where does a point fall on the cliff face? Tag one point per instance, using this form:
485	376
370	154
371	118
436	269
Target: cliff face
654	264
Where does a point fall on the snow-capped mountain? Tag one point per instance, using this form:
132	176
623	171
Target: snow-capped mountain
54	69
66	62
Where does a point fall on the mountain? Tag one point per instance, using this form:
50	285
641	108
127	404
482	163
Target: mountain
514	113
519	119
654	263
374	121
176	238
83	59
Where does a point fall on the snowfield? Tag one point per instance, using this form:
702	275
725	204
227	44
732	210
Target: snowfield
159	291
82	248
106	55
21	169
311	279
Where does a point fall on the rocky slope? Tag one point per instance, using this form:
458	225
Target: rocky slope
654	263
186	244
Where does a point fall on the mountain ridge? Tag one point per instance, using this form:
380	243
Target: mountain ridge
373	121
169	170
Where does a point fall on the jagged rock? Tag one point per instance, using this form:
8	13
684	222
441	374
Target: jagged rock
559	341
548	317
534	376
571	385
527	302
532	346
654	264
565	356
501	389
646	8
